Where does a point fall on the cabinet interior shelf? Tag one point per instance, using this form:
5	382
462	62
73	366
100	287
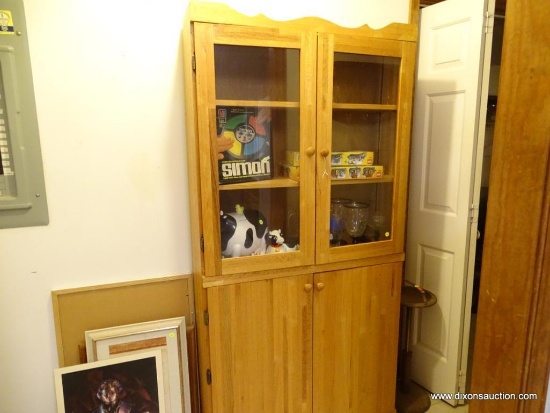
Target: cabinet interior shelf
259	103
363	106
265	184
293	104
384	179
289	183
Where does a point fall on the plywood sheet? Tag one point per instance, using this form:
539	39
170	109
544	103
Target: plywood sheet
81	309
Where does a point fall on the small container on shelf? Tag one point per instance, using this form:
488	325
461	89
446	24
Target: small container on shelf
293	158
289	171
357	172
352	158
356	215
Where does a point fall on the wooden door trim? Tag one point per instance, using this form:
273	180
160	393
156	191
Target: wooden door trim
513	329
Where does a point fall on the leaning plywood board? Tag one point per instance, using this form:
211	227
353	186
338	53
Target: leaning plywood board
80	309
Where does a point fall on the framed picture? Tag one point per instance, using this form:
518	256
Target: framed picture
124	384
168	336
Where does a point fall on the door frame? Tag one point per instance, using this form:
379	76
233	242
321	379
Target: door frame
513	330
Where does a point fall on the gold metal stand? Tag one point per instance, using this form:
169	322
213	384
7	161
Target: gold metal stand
410	398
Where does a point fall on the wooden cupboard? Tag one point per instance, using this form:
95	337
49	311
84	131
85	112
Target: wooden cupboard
355	335
261	345
301	127
271	339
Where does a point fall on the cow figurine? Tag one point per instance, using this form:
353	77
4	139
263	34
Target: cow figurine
276	243
243	232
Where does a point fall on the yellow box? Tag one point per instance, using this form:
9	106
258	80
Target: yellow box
352	158
290	171
357	172
292	158
374	171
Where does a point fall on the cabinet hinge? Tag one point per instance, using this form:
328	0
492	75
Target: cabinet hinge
194	63
488	22
208	376
462	381
206	317
202	243
474	213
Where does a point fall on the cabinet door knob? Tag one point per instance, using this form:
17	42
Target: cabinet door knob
310	151
308	288
320	286
324	153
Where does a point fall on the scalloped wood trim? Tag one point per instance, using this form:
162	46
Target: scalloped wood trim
209	12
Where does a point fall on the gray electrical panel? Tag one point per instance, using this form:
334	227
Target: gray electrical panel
22	188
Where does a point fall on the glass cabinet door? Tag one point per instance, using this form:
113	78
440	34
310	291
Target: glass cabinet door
256	126
363	147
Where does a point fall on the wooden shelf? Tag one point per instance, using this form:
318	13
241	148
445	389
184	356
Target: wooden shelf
289	183
383	180
259	103
265	184
363	106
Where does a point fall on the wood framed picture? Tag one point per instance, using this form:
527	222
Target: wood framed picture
123	384
167	336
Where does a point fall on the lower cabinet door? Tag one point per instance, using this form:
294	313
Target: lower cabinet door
355	339
324	344
261	346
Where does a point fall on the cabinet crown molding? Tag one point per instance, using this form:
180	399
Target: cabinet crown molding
220	13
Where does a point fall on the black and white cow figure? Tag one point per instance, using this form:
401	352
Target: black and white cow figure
243	232
276	243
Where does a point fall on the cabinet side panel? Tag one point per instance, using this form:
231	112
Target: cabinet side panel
195	223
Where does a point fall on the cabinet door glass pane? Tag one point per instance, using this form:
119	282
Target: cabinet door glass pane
363	148
258	128
257	73
365	79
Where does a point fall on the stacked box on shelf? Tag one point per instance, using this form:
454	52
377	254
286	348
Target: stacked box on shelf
289	171
357	172
293	158
355	165
344	165
291	168
353	158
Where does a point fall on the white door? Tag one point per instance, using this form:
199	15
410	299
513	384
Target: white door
448	124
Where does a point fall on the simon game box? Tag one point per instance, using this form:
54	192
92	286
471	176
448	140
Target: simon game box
249	157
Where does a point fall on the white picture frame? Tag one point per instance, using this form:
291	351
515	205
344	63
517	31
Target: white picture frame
136	380
168	336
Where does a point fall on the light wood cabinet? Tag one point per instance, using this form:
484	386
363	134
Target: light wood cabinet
261	345
355	337
301	127
270	340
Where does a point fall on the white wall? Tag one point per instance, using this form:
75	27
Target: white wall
109	93
347	13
